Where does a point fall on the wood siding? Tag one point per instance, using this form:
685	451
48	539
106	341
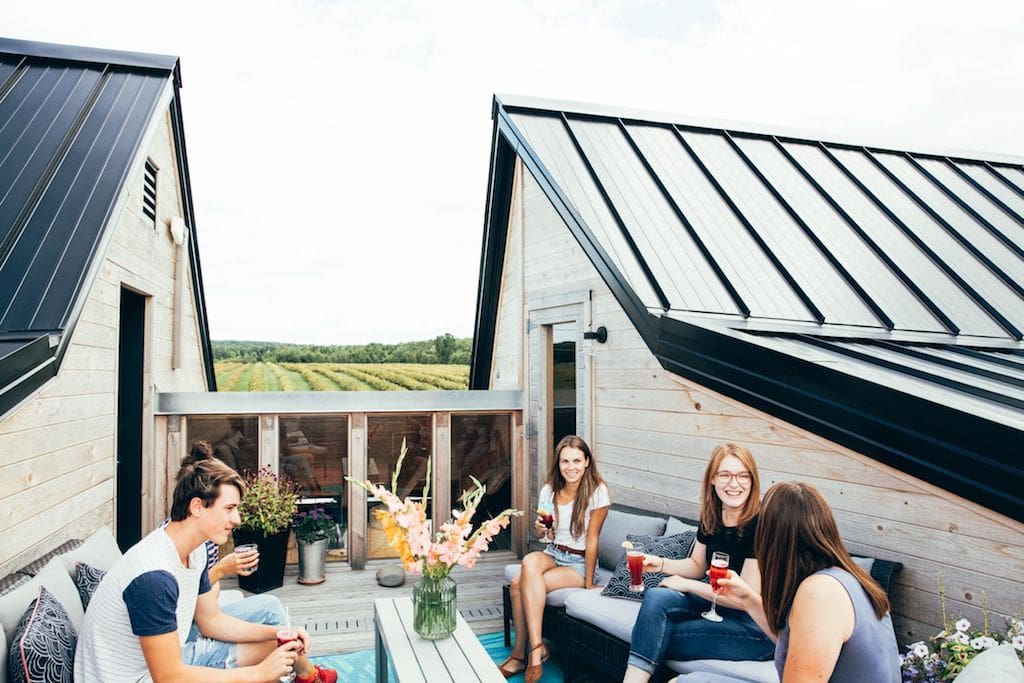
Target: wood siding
653	432
57	449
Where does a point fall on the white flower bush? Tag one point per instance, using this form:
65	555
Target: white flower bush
949	651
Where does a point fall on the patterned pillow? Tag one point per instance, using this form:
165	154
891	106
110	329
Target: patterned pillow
675	547
87	578
42	646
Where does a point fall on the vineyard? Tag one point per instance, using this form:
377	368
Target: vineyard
269	376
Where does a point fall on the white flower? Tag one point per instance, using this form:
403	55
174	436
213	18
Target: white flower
988	641
959	637
1018	642
982	642
1016	626
962	625
919	650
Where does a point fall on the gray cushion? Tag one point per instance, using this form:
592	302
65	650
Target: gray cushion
557	598
676	547
677	526
3	657
866	563
391	576
753	672
608	614
614	531
87	580
99	550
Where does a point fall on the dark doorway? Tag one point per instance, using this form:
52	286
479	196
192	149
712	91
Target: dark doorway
563	381
130	356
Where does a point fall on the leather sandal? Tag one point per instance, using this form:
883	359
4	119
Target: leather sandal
512	658
535	671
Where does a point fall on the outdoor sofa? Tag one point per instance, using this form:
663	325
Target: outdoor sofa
594	630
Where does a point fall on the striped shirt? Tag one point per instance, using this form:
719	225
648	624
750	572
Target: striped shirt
146	593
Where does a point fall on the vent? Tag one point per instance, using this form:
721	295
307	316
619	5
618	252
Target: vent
149	192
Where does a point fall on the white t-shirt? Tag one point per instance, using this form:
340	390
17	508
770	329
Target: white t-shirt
146	593
563	536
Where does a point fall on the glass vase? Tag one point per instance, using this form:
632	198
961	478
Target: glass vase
433	607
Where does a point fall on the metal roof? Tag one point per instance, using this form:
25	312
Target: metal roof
72	125
863	259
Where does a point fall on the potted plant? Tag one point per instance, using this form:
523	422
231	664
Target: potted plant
266	512
313	530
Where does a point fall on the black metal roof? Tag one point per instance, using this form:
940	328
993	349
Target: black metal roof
887	270
72	124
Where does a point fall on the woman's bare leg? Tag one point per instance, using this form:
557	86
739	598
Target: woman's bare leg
540	577
518	619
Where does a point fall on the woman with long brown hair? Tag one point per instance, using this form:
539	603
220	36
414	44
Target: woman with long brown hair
578	499
829	617
669	625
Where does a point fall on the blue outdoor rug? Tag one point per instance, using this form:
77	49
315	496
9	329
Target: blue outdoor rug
359	667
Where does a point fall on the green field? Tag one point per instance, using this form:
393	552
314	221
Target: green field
269	376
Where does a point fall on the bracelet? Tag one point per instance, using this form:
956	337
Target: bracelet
662	568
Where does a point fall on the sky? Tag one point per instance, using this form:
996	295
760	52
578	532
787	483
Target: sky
339	149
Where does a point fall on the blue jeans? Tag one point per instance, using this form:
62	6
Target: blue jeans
202	651
669	626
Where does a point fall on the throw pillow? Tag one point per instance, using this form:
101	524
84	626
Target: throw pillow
43	643
57	581
87	578
676	547
616	525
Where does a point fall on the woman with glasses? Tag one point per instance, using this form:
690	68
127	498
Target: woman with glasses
670	623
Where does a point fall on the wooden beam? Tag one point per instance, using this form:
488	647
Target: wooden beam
520	485
442	475
357	454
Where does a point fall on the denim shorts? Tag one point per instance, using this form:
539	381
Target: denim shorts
564	559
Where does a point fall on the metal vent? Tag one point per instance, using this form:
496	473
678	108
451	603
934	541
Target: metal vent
149	192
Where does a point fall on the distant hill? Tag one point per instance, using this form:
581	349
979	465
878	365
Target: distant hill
443	349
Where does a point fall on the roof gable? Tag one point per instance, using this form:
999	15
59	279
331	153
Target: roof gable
72	123
894	274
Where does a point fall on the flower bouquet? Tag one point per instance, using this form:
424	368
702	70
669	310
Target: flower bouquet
434	554
951	649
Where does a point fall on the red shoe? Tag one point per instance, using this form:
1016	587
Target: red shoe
319	675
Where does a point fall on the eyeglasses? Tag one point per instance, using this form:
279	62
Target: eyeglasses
743	478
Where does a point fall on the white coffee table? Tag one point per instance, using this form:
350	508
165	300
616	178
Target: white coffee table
460	657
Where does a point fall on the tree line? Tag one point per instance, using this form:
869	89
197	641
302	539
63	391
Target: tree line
443	348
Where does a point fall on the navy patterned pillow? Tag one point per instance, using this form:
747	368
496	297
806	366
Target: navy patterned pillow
87	578
42	646
675	547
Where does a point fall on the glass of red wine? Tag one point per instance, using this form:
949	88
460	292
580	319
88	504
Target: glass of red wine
635	560
719	570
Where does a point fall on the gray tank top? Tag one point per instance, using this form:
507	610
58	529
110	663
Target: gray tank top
870	654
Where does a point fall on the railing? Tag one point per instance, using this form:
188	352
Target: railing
316	439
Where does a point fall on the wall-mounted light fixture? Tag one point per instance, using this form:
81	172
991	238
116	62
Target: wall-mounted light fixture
600	335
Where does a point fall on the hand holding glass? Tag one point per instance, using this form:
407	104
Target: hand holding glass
719	570
243	550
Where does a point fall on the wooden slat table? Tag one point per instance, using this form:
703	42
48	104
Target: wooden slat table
460	658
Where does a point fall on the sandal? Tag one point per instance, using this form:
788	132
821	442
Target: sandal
512	658
535	671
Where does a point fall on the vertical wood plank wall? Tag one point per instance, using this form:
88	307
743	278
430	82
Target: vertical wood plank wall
653	432
57	449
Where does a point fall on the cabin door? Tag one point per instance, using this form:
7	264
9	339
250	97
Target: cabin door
559	377
130	367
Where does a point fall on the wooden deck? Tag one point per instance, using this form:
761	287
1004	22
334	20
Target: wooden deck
339	612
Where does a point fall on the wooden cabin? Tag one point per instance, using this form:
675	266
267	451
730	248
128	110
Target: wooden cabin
852	313
101	298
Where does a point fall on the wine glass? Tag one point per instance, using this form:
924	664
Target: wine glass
719	570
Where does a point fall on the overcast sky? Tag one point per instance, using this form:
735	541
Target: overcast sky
339	149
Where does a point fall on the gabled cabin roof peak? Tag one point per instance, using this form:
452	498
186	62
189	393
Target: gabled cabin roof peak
874	143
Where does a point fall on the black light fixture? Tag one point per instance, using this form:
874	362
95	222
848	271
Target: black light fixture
600	335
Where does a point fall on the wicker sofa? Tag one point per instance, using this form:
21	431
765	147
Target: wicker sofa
594	630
